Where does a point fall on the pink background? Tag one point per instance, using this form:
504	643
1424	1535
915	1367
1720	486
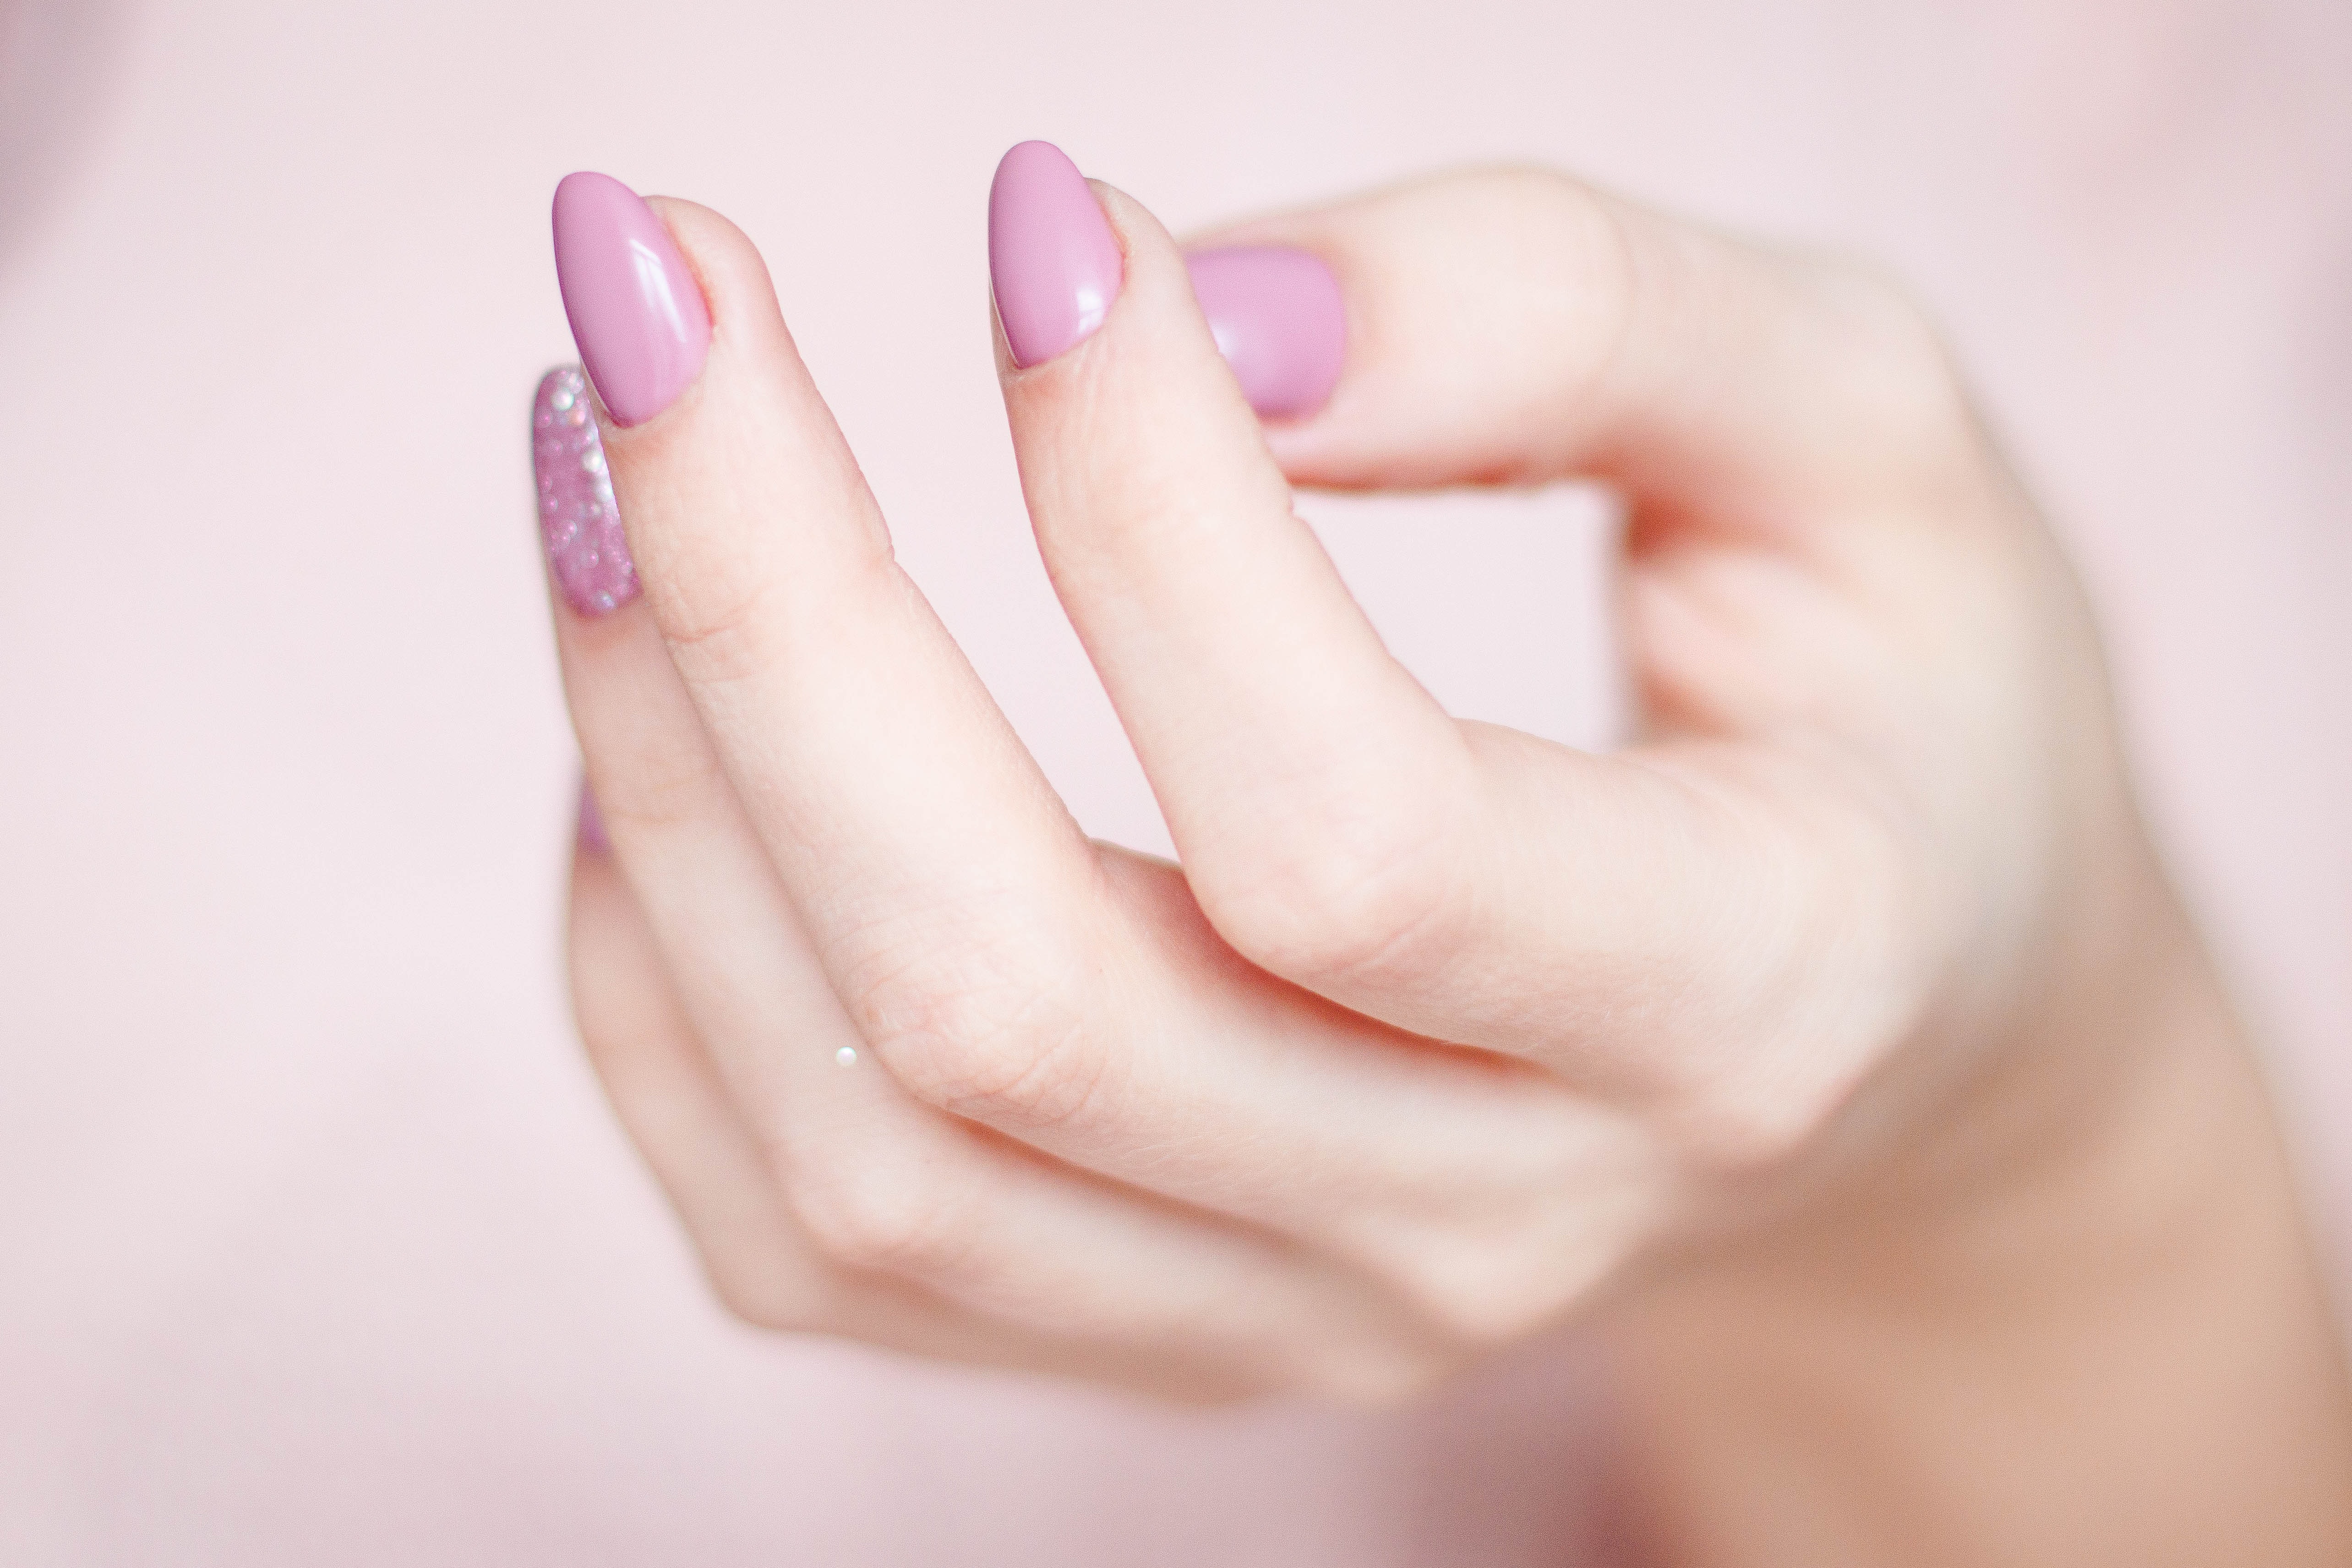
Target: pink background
316	1242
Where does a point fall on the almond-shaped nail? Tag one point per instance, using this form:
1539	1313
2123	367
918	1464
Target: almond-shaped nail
1055	267
587	553
1279	321
636	312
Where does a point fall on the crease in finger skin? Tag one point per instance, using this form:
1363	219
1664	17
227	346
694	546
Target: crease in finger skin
1458	882
889	1186
871	818
1335	826
668	1095
1308	781
760	1262
876	1180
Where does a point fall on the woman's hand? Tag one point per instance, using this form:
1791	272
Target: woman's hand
1440	1031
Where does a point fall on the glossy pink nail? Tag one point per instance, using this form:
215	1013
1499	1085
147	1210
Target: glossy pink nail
1055	267
587	553
636	312
1278	320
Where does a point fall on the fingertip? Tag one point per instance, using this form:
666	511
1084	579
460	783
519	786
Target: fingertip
636	312
1054	265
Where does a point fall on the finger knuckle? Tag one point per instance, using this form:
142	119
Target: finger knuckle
1358	897
1566	264
761	1293
715	627
1748	1131
888	1212
1899	379
1552	216
1376	1376
1485	1286
1000	1030
656	788
1845	972
1481	1309
1754	1110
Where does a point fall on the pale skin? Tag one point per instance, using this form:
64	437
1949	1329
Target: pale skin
1837	1051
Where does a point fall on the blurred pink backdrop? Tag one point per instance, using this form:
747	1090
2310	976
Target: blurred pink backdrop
316	1242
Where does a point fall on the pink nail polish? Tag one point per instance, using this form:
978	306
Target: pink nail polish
636	312
586	551
1278	320
1050	254
590	831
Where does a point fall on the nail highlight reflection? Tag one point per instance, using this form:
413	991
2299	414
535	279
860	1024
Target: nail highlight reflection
635	310
1050	258
1279	321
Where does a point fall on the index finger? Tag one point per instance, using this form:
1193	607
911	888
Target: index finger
1624	920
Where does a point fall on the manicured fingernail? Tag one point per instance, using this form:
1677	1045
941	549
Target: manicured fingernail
591	830
636	312
1050	253
586	550
1279	321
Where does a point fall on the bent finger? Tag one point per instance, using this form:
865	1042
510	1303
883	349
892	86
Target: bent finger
1517	326
876	1184
977	944
1337	827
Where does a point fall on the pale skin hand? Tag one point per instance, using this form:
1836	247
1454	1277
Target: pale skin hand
1774	1044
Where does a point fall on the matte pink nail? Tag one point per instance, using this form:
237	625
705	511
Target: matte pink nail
1050	254
587	553
1279	321
590	832
636	312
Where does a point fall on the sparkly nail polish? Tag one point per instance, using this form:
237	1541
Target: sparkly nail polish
578	522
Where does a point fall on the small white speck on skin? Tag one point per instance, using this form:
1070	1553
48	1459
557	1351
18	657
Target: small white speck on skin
846	1056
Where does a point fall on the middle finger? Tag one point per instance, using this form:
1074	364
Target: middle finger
993	959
